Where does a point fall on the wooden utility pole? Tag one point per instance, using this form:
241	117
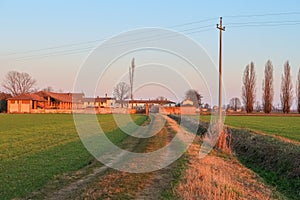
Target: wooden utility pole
221	28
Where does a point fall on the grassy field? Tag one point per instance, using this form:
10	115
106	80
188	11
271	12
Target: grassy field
285	126
36	148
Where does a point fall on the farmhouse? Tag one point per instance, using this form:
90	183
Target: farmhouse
52	102
35	102
25	103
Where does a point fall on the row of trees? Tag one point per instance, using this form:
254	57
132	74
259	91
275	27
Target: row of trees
19	82
286	92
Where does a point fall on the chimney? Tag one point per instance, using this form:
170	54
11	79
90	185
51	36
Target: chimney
105	94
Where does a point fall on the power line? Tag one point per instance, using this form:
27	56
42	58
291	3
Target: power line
98	40
161	36
264	25
53	47
128	42
194	22
264	22
263	15
186	31
56	52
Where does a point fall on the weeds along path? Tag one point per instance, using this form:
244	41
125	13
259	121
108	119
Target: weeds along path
101	182
220	176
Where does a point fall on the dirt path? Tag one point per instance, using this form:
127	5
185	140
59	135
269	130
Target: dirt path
161	180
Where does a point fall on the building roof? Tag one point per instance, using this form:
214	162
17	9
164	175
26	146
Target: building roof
28	96
63	97
43	95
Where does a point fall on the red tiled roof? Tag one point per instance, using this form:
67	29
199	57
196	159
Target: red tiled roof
28	96
43	95
63	97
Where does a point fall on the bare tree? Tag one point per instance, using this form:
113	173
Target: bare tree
298	92
121	92
248	89
194	96
268	91
131	76
18	82
286	95
235	103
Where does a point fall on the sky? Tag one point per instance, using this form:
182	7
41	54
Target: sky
52	40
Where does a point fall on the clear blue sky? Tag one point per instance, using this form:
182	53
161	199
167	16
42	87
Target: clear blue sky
31	25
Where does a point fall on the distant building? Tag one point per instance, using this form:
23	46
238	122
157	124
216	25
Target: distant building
52	102
56	102
99	102
31	102
187	102
187	107
25	103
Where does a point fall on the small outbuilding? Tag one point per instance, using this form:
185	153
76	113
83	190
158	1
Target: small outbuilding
24	103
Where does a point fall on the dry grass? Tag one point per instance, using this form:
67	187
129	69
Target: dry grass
219	177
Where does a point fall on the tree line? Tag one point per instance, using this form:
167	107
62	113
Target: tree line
286	90
19	82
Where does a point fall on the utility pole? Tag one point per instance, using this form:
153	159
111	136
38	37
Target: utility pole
131	76
221	28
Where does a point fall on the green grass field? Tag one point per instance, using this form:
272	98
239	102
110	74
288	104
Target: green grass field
285	126
36	148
